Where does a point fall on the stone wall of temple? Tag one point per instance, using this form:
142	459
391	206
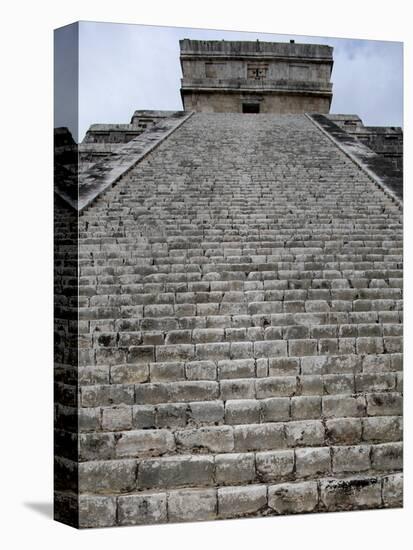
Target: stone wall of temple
282	77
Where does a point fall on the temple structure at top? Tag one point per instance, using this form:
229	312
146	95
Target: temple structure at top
255	77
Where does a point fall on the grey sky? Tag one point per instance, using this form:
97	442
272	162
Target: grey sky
124	67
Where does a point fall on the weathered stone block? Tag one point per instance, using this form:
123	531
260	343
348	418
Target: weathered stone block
143	416
136	443
369	330
265	308
176	352
352	493
167	372
344	431
347	346
396	361
193	391
129	374
235	468
316	306
312	461
304	433
313	364
114	394
274	465
293	306
338	383
375	382
92	375
393	344
143	509
89	420
237	389
259	437
293	498
104	356
324	331
116	418
175	392
241	350
207	335
272	333
178	337
201	370
171	415
97	511
242	411
270	348
192	504
369	345
206	412
215	439
310	385
393	491
384	404
159	310
241	368
275	409
380	429
283	366
141	354
212	352
107	476
276	386
300	348
305	407
377	363
236	334
96	446
175	471
296	332
342	364
328	346
351	459
261	368
388	456
241	501
341	406
127	339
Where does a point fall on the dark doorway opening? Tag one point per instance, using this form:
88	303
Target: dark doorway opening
250	107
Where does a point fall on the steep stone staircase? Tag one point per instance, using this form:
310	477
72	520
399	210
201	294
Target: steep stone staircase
240	330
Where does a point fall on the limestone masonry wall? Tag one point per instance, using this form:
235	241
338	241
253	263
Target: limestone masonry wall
240	333
233	103
220	76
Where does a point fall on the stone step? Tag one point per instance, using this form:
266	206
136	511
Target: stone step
137	355
241	470
313	382
233	368
240	324
326	494
125	339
